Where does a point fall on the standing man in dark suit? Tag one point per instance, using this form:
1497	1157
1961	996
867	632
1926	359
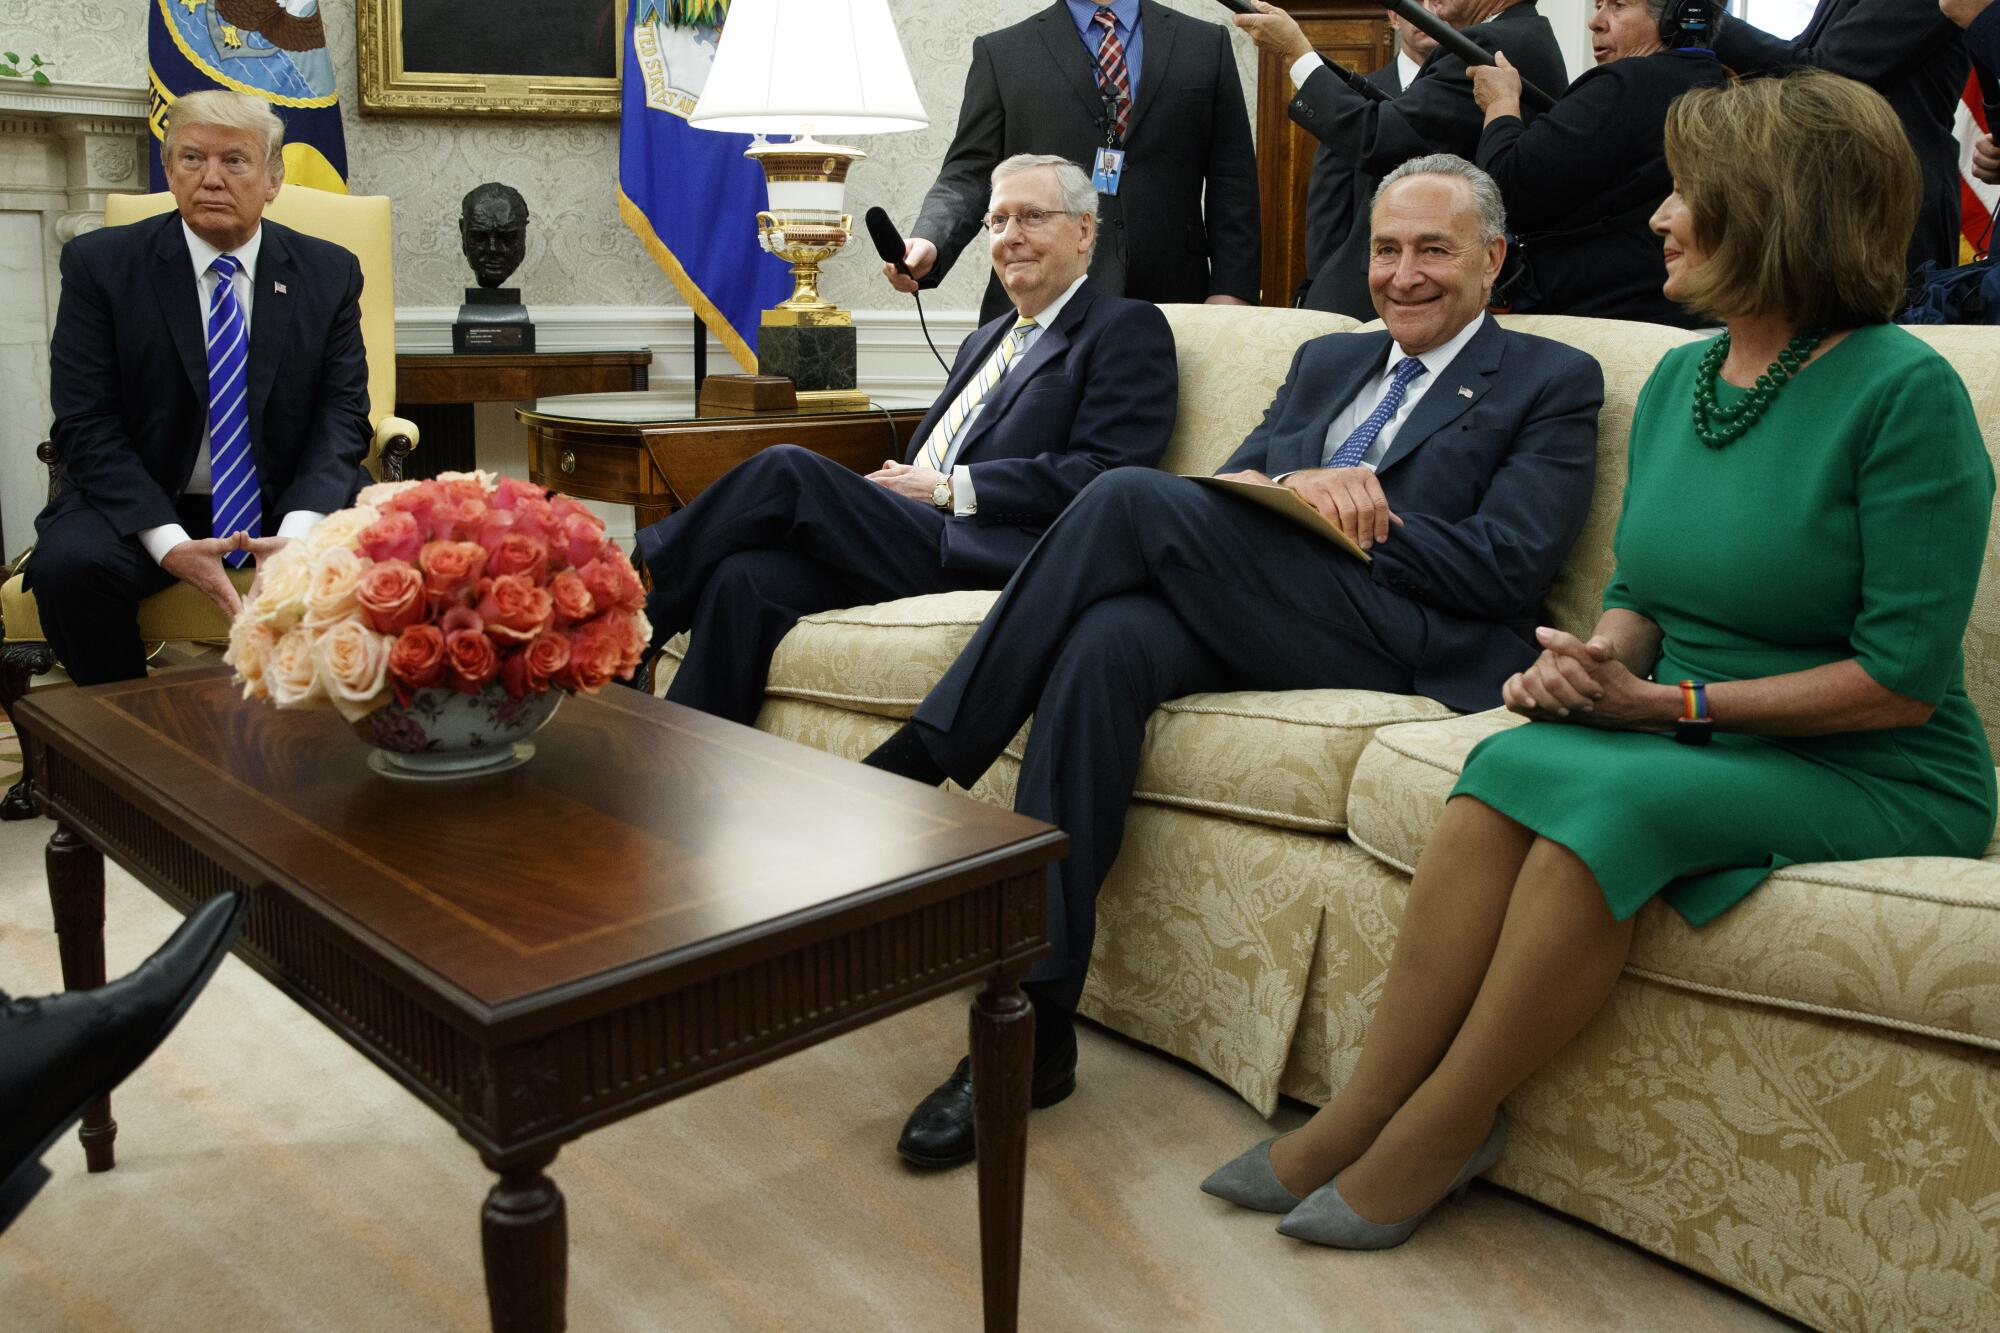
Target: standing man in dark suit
1156	89
1903	49
1982	42
1435	113
207	374
1336	195
1459	454
1069	382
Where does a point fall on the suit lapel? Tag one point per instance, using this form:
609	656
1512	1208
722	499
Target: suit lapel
270	320
180	302
1465	383
1160	25
976	349
1050	346
1066	50
1310	445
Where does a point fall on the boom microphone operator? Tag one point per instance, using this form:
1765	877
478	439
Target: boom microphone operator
1456	42
889	245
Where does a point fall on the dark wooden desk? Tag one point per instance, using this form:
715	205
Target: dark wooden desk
657	901
658	466
437	391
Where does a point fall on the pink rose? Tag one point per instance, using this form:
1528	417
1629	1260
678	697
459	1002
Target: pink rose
573	601
512	490
465	516
391	596
594	650
416	660
545	656
470	660
534	518
448	567
584	533
514	609
613	582
516	553
514	673
394	536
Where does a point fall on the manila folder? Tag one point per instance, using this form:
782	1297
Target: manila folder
1286	503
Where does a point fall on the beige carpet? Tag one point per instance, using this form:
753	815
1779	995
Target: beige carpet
272	1179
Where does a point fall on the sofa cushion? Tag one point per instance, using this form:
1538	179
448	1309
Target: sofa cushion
1232	360
1904	942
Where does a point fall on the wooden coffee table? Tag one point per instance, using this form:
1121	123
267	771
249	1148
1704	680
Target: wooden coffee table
656	901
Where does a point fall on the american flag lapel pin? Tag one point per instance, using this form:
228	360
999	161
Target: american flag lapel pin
279	288
1463	392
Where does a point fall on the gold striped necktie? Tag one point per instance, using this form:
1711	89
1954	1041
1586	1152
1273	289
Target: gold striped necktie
937	449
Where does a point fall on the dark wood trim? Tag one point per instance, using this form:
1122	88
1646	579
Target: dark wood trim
448	377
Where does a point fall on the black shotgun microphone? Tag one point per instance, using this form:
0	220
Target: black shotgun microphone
889	245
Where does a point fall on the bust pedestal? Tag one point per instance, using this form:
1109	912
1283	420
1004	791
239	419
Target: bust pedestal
492	320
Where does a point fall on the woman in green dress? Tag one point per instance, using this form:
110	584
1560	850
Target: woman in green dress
1776	677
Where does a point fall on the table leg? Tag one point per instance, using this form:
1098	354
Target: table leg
1003	1057
524	1231
76	892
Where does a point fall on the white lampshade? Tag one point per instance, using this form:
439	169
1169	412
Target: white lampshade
809	67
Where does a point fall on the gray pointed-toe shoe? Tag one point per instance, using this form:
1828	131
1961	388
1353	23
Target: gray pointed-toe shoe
1249	1182
1325	1219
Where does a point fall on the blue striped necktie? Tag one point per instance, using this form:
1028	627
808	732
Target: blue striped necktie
236	503
1356	446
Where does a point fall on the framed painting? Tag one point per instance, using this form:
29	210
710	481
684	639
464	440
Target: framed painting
498	57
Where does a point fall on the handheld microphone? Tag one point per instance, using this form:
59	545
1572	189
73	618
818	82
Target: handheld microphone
888	241
1456	42
1239	6
889	245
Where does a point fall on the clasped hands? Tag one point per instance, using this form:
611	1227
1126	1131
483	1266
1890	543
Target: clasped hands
198	561
1581	681
915	481
1350	498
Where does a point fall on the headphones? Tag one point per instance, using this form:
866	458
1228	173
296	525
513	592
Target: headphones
1687	23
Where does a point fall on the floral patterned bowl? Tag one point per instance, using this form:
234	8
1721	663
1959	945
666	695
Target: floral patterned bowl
446	734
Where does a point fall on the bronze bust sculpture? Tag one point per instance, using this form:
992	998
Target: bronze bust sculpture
493	232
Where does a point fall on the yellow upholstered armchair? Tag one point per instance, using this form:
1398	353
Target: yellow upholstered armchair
361	224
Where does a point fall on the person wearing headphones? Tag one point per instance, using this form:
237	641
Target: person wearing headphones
1581	181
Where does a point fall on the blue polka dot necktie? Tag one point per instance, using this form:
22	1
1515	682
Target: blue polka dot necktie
236	505
1355	447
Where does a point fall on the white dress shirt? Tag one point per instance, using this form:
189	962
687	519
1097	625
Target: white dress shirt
158	541
1436	362
1302	68
963	500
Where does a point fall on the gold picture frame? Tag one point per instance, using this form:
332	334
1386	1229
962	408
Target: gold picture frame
411	65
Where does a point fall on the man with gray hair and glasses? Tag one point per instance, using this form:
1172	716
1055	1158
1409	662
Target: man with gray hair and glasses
1459	455
1070	382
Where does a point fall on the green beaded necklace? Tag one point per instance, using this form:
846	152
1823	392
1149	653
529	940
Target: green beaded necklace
1720	426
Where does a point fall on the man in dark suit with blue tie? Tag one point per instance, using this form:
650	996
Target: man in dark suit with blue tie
1460	455
208	376
1070	382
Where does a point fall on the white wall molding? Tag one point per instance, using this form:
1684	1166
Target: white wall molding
73	99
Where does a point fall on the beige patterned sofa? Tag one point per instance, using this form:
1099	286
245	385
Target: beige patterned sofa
1801	1100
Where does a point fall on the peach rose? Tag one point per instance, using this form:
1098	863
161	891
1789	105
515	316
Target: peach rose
594	650
544	657
352	662
460	519
250	643
281	587
514	609
470	660
416	660
391	596
291	677
332	585
613	582
448	567
396	535
340	528
573	601
517	553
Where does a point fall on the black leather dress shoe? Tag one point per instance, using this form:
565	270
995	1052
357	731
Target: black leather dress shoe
939	1131
63	1052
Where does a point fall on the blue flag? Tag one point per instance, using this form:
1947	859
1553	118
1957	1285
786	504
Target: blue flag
691	194
257	48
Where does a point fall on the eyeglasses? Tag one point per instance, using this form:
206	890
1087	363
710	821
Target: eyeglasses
1031	219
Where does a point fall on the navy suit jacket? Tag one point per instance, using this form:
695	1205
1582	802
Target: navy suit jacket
1097	389
1491	475
128	376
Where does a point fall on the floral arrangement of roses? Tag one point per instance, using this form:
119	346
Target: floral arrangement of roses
459	582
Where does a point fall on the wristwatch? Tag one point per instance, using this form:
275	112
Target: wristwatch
941	494
1694	726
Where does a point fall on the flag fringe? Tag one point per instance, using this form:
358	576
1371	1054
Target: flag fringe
690	290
